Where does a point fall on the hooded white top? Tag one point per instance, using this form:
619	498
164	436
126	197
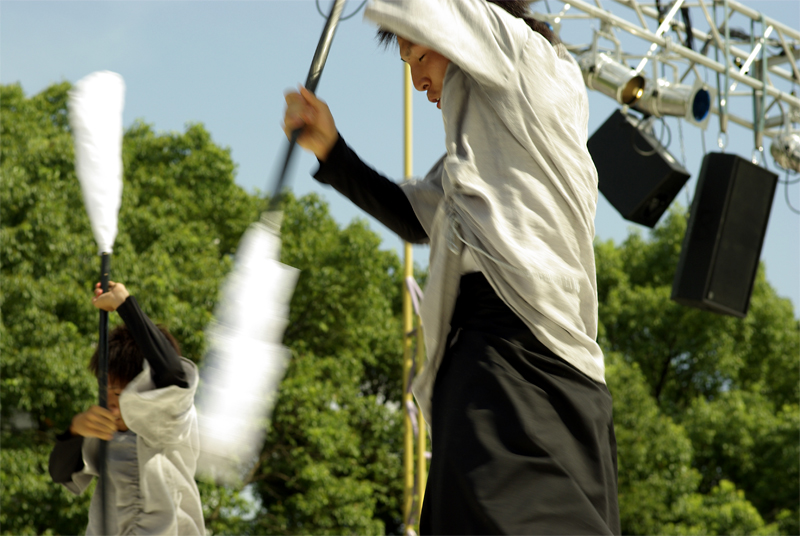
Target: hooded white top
517	186
151	467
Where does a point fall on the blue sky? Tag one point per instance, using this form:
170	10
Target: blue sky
226	64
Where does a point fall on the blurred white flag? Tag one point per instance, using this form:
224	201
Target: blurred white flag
246	359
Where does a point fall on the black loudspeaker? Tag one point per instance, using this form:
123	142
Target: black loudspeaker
722	245
636	173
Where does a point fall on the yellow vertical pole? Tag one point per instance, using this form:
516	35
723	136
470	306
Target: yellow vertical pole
422	462
408	318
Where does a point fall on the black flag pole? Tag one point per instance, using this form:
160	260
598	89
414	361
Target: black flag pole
102	381
312	80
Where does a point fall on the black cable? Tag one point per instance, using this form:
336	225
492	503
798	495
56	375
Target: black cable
665	126
633	139
651	152
661	11
350	16
353	14
786	193
687	22
703	140
736	33
787	181
706	45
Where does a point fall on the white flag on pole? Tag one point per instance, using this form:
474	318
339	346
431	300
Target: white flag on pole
95	115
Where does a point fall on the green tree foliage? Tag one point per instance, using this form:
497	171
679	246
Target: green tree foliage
654	454
742	437
331	463
660	489
706	406
722	511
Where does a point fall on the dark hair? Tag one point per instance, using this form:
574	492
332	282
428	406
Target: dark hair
125	359
517	8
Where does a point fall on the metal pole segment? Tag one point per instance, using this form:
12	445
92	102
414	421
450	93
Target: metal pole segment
703	36
665	24
422	461
754	52
105	268
746	124
788	50
312	80
277	192
408	319
653	13
755	15
102	381
721	100
712	24
408	429
638	11
723	103
763	109
324	46
755	46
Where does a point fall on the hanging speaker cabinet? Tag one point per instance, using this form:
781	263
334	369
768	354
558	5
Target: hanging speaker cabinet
722	246
636	174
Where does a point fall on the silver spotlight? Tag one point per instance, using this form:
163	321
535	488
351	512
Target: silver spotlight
785	150
611	78
661	98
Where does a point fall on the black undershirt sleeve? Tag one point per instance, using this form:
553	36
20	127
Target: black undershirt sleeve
66	457
378	196
165	364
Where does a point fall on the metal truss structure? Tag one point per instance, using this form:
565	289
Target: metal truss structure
730	60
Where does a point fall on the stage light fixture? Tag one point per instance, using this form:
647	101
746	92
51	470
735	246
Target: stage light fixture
785	150
609	77
661	98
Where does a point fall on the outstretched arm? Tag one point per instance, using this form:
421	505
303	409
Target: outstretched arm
479	37
165	363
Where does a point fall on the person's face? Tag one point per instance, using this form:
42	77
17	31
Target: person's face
428	68
115	388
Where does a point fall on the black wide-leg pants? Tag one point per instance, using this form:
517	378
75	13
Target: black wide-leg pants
522	442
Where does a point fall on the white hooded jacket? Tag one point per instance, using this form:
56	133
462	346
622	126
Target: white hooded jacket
151	467
517	186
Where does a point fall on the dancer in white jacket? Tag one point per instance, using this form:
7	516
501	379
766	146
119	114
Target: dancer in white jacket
514	387
151	427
